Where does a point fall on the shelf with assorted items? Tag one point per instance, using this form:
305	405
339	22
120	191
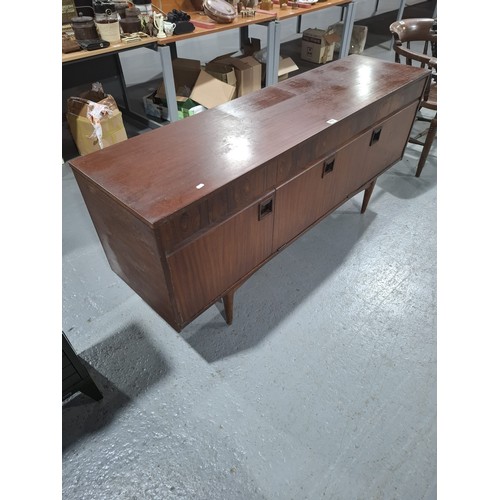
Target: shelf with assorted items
202	25
174	106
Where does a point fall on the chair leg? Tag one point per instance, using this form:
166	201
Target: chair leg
431	134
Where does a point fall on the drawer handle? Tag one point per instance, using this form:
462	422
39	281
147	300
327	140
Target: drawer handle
375	135
265	208
328	166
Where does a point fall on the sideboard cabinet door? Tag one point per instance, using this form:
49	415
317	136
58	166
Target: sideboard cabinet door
368	155
301	201
309	196
385	143
206	268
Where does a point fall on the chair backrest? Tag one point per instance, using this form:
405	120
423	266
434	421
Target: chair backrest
415	30
423	33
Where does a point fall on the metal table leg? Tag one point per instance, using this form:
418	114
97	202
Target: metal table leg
122	80
126	110
243	36
168	80
273	52
348	27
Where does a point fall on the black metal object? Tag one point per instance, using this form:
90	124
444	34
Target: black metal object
75	377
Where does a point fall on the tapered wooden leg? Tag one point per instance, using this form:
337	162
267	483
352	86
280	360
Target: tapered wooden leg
431	134
228	307
366	197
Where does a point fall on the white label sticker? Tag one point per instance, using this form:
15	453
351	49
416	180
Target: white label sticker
331	121
199	186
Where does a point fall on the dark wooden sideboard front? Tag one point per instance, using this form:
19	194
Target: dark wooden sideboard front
187	212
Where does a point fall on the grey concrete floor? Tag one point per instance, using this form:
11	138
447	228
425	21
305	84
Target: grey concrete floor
324	387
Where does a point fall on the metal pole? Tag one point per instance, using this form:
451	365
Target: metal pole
348	27
273	52
168	81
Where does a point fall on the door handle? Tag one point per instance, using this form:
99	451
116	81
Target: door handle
375	136
265	208
328	166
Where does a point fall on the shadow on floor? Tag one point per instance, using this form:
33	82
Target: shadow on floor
287	275
123	367
405	185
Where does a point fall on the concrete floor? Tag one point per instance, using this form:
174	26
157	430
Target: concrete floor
324	387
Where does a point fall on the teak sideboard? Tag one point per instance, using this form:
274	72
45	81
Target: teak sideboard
186	213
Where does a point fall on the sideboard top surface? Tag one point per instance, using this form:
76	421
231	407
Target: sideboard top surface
159	172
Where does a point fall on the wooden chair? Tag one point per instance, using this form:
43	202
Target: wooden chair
422	33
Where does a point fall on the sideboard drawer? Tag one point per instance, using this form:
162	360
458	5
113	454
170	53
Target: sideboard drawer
296	160
187	224
342	132
241	192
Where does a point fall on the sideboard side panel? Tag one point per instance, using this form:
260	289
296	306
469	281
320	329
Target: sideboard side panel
131	248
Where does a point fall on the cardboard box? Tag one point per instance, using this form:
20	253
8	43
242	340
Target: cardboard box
210	92
358	38
223	72
250	46
318	45
68	11
193	82
157	108
286	65
253	76
154	106
248	73
186	72
95	122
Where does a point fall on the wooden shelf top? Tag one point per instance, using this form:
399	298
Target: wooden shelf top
289	12
115	47
203	26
